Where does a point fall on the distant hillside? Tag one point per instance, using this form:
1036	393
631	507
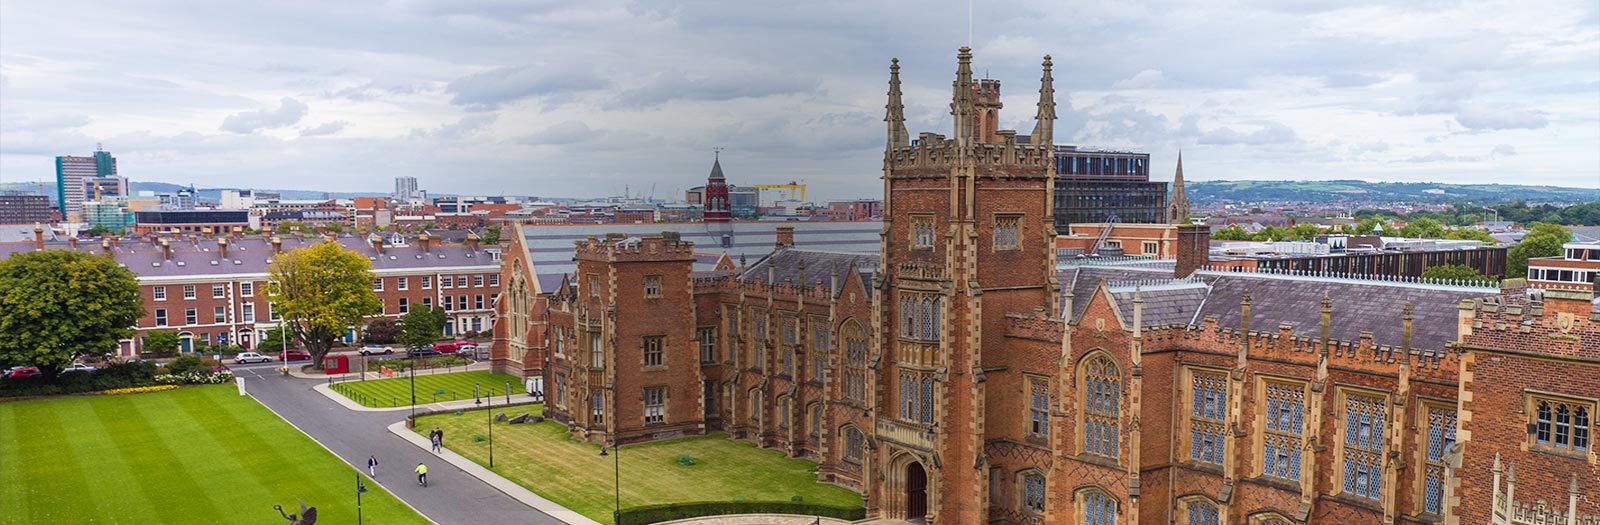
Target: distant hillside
1363	191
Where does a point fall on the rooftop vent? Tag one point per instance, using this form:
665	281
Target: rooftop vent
180	263
213	262
156	264
236	261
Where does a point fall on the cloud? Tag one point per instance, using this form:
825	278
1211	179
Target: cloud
1435	156
1267	133
1502	150
468	126
675	85
1148	78
495	87
1500	116
326	128
569	132
289	112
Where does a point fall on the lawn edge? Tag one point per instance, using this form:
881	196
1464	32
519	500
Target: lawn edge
342	460
510	488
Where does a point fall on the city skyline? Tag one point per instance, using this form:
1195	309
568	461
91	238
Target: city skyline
561	99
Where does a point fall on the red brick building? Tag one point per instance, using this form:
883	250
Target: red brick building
213	289
959	376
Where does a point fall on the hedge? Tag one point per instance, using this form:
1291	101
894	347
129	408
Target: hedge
646	514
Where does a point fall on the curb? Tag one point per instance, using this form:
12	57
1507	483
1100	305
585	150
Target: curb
761	519
341	460
351	404
515	491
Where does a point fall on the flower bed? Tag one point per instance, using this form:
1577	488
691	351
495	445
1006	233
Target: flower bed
137	390
196	378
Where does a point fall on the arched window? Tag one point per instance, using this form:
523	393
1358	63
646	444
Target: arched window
1202	512
815	416
1207	416
854	445
1098	508
1032	491
1101	403
1363	445
1285	425
855	363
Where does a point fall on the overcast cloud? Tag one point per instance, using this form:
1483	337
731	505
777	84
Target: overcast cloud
583	98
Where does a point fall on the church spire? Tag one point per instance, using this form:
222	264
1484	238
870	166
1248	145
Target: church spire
1178	203
896	114
1044	128
962	107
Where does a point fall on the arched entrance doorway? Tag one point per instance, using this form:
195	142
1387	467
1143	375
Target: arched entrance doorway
916	491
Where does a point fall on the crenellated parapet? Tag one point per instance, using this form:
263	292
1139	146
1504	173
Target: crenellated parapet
1559	322
616	247
934	156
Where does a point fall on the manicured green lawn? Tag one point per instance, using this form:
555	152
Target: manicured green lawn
199	454
397	391
542	458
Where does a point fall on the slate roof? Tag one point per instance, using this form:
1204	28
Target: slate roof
785	265
551	247
249	255
21	233
1357	305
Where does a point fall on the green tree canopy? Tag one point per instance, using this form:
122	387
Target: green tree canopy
1305	231
382	331
1231	233
491	235
272	341
59	304
422	326
1423	228
321	291
1453	272
162	343
1542	240
1469	234
289	227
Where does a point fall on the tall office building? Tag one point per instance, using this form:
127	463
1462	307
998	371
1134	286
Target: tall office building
1094	186
74	176
405	189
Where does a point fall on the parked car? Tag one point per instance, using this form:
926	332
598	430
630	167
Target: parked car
19	372
376	349
448	347
422	351
250	357
296	355
78	367
143	360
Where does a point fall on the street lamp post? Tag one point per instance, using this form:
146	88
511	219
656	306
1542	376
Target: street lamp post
283	337
616	455
413	373
490	412
359	489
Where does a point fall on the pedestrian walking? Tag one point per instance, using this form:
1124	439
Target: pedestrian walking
422	474
437	437
372	465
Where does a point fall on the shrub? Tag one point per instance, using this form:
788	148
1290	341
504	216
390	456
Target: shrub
646	514
204	376
190	363
686	460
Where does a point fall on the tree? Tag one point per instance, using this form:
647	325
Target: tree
333	227
1472	235
382	331
272	341
1305	231
1366	226
96	231
422	326
1423	228
59	304
161	343
1543	240
1453	272
491	235
289	227
1231	233
321	291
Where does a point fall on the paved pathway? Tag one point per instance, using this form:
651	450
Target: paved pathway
452	496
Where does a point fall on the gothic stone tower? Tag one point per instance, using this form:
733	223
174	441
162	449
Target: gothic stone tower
719	213
967	238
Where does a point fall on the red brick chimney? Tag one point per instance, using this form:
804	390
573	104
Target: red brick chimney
222	247
38	237
105	247
377	242
277	244
166	249
472	241
424	239
73	241
1194	249
785	236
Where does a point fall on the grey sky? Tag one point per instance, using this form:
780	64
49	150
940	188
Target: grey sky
582	98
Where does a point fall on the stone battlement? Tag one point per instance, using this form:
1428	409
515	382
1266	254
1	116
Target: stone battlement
616	247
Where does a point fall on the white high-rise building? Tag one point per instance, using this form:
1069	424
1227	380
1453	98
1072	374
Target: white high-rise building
405	189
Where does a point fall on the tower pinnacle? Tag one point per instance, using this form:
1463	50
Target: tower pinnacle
1045	120
895	113
1178	204
962	105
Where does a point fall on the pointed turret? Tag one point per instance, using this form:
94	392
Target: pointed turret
962	107
1044	127
895	113
717	209
1178	204
716	168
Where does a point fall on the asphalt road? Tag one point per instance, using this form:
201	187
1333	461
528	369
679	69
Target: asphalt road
451	497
